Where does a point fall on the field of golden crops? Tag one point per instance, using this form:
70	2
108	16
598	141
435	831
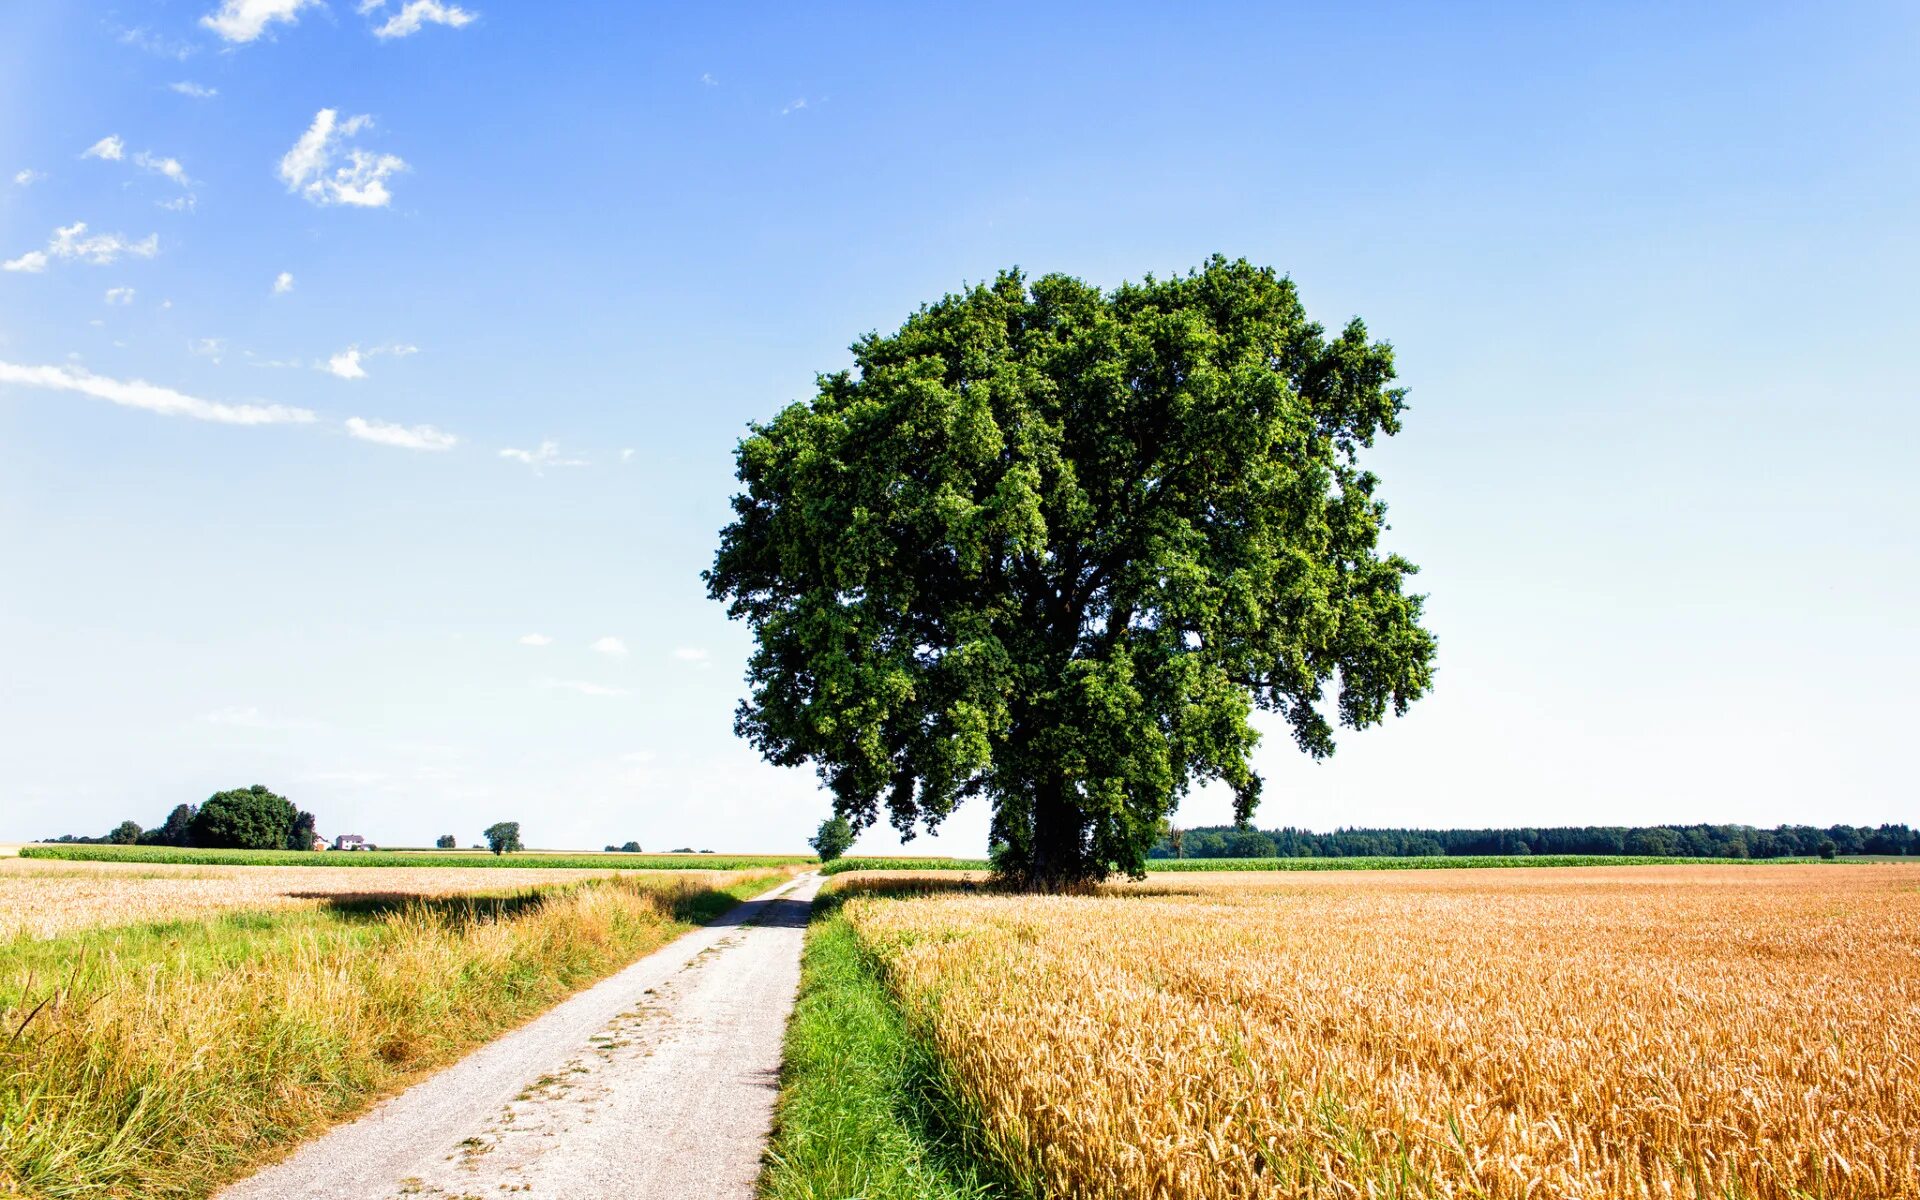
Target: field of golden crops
43	897
1741	1033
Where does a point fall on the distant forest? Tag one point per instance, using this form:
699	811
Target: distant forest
1686	841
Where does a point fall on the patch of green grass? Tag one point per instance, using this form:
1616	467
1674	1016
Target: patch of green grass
428	858
865	1108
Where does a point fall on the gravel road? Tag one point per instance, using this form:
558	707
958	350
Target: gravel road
658	1081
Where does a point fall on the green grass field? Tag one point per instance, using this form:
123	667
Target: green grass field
1425	862
412	858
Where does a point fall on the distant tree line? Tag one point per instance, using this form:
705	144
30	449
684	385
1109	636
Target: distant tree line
1685	841
251	818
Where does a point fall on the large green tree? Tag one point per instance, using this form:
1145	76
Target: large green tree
1053	546
250	818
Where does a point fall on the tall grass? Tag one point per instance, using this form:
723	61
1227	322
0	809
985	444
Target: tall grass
420	858
162	1061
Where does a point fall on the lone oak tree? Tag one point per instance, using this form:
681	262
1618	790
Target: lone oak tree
1053	546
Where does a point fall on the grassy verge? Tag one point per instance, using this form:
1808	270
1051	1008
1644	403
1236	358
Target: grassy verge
421	858
163	1060
1417	863
865	1110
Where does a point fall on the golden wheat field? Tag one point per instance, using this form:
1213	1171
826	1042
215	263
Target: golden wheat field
42	897
1726	1032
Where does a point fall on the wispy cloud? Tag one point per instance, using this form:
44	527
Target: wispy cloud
581	686
794	106
196	90
548	455
137	393
417	13
692	654
283	283
170	167
110	148
536	639
360	182
120	295
208	347
153	43
73	242
246	20
406	437
613	646
708	79
27	176
626	455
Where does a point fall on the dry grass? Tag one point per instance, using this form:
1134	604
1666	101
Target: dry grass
44	897
161	1060
1589	1034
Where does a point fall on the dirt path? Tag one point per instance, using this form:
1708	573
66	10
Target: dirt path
658	1081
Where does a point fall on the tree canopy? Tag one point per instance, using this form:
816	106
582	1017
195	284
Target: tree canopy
503	837
250	818
833	839
1053	546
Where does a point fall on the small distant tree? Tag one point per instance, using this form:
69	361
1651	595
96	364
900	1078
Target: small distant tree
1177	838
126	833
630	848
305	829
244	819
1828	850
445	841
503	837
835	837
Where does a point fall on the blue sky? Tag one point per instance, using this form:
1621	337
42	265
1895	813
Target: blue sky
1649	273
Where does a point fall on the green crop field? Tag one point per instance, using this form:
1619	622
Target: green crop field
422	858
1417	863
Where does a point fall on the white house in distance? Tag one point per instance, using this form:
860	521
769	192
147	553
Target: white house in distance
349	841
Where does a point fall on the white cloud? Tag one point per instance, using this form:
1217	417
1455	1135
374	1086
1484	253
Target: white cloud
406	437
416	13
283	283
72	241
245	20
110	148
611	645
582	686
120	295
196	90
690	654
186	203
794	106
27	176
626	455
249	717
548	455
170	167
639	756
708	79
536	639
308	169
208	347
346	364
136	393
